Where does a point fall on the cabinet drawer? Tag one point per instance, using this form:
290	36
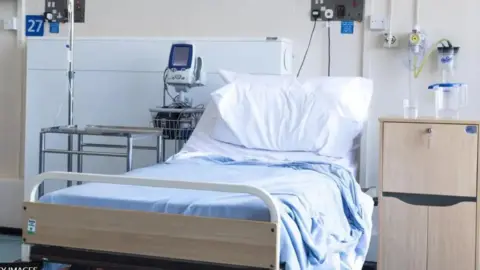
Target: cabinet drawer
436	159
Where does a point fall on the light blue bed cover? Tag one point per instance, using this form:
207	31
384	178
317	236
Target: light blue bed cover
325	218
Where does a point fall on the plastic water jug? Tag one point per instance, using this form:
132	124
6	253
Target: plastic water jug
450	98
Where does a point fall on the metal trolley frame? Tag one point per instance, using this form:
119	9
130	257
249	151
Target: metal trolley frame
131	134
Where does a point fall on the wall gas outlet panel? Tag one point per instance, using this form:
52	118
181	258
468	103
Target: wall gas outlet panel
339	10
57	11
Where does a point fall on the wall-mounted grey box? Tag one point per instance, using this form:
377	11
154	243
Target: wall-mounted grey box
57	10
339	10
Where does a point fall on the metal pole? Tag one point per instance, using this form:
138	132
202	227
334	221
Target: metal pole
79	157
70	59
159	143
163	149
70	75
41	163
129	153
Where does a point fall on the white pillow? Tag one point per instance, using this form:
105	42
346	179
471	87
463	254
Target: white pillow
227	76
319	116
349	96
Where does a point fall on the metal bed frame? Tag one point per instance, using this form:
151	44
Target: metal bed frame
126	239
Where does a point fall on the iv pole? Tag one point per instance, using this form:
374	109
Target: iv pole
71	78
70	83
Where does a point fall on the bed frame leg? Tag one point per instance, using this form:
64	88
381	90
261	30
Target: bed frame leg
25	252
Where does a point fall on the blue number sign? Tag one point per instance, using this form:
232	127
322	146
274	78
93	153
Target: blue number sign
35	26
347	27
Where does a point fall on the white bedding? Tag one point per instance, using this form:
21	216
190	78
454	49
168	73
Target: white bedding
201	143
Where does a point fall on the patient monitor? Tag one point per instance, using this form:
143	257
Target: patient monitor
184	69
183	72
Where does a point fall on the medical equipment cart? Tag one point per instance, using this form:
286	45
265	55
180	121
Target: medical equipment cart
130	134
429	194
177	125
178	120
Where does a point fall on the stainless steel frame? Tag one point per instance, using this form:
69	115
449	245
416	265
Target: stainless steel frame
131	134
70	83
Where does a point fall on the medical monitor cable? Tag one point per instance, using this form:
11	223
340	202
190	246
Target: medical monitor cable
165	87
308	46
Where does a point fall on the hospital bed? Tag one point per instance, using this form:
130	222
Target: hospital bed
214	212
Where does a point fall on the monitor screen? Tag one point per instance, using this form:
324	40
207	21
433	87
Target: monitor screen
180	56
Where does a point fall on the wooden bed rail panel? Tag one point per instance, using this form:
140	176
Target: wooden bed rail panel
223	241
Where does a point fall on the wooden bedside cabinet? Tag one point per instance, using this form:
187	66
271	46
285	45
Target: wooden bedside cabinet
428	195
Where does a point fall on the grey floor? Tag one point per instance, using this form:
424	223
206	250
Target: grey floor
9	248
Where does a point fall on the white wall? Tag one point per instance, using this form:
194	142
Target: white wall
448	19
248	18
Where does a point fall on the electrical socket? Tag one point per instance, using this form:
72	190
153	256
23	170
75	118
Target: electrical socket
378	23
10	24
390	40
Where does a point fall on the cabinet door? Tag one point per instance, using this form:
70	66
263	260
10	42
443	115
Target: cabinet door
403	233
451	237
435	159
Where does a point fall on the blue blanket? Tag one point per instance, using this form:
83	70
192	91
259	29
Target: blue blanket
312	248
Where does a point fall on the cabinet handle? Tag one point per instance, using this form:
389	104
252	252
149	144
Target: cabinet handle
428	200
429	130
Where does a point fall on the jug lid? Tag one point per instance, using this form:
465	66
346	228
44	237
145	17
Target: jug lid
449	49
445	85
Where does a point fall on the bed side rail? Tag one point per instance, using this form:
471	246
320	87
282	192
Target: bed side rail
223	241
154	182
